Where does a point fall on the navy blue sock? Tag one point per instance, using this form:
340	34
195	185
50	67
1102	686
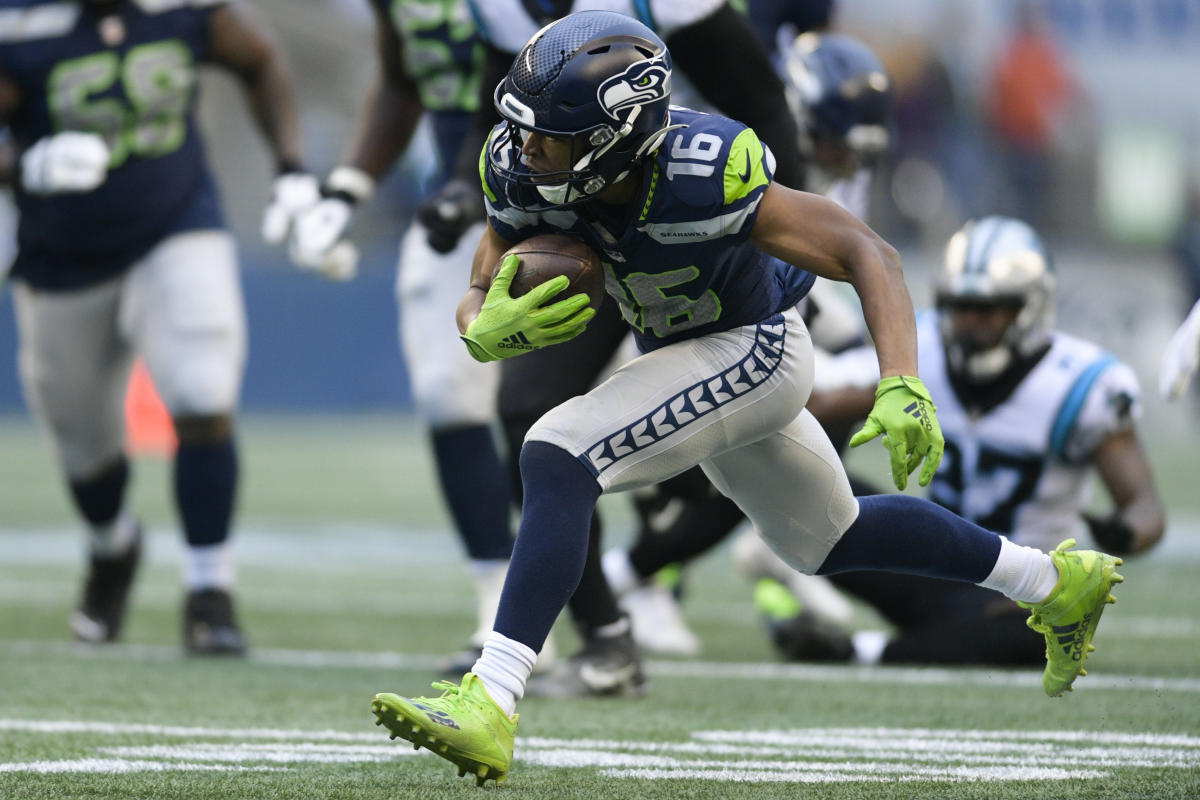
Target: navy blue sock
899	533
475	487
552	543
205	486
99	499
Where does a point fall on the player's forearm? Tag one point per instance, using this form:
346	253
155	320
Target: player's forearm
389	117
274	107
878	279
469	307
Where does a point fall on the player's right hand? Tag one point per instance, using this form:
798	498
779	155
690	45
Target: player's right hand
449	212
319	240
509	326
71	162
292	194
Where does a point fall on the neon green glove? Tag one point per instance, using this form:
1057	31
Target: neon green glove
904	414
509	326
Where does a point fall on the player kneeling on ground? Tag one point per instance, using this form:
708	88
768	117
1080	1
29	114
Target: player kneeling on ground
707	259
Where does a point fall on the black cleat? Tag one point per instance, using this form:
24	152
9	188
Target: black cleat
101	610
803	637
209	626
606	666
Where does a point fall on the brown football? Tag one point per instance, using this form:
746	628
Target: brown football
550	255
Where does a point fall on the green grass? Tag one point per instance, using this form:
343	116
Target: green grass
351	584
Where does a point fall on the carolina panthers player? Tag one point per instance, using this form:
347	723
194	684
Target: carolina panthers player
1027	413
707	259
122	252
429	60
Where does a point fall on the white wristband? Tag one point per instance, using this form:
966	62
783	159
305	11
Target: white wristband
351	180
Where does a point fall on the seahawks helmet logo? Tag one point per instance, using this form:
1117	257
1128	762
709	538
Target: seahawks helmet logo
640	84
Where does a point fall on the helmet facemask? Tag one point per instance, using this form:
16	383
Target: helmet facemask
994	262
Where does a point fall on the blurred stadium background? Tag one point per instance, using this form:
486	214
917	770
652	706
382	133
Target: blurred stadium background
338	484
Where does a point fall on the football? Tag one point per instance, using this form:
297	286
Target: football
548	256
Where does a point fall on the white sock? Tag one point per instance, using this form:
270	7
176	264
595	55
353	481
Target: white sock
869	646
504	668
619	572
208	567
1024	574
489	583
114	538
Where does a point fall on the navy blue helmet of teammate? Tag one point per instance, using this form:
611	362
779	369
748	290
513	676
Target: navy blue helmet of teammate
844	96
601	80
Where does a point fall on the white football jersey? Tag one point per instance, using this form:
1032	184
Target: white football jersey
508	25
1021	468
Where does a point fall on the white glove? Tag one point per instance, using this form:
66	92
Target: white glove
294	192
319	243
1181	357
319	240
70	162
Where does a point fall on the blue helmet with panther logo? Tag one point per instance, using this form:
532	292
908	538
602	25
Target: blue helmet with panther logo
601	80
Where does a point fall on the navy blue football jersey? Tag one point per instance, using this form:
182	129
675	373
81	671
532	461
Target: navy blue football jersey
132	80
680	265
444	56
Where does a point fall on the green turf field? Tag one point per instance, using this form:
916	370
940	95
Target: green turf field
331	511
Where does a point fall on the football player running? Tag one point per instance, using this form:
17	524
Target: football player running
1027	412
429	60
123	252
717	50
707	258
841	97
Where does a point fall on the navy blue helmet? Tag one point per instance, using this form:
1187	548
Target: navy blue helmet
601	80
842	90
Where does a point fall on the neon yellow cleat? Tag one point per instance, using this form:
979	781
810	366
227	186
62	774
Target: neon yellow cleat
463	726
1068	617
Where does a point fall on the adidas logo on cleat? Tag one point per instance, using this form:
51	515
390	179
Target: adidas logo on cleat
516	342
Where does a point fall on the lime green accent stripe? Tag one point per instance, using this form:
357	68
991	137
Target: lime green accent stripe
775	600
482	169
744	169
649	194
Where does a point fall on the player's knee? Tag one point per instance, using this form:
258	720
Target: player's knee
203	429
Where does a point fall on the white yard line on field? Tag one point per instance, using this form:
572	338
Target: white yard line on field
812	755
706	670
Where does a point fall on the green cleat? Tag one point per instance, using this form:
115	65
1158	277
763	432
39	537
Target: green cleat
463	726
1068	617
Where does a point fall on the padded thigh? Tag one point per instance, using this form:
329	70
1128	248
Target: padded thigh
449	387
182	308
73	366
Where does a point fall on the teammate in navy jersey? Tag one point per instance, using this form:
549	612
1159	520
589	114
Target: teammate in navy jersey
706	258
1028	412
122	251
429	60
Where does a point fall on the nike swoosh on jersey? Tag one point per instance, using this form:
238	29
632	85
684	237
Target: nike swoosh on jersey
745	176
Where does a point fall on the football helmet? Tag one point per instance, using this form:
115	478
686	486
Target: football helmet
989	262
840	93
601	80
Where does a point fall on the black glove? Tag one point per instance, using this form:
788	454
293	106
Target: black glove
448	213
1111	533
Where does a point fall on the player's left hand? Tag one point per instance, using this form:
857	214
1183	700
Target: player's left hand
1181	357
509	326
293	193
904	415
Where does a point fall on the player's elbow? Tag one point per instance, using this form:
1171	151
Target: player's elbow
869	253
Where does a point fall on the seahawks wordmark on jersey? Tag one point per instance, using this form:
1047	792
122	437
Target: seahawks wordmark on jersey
677	259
